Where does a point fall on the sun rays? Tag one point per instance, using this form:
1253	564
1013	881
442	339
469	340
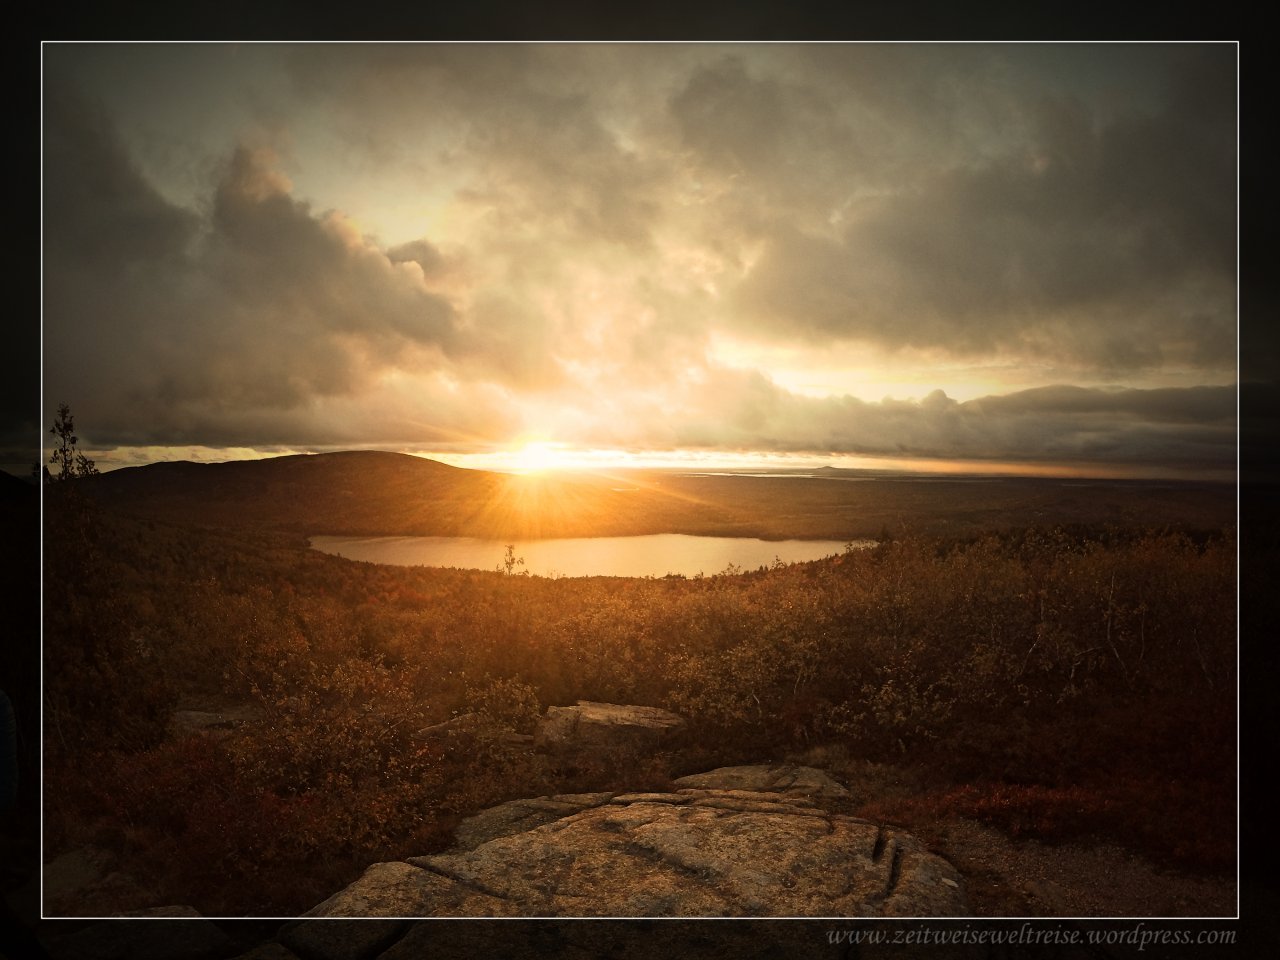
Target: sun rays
542	456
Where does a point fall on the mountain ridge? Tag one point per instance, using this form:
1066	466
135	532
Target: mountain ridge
381	493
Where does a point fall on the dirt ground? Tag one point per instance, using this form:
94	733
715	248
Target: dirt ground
1027	878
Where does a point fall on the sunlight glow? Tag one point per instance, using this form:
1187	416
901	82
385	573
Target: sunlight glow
541	456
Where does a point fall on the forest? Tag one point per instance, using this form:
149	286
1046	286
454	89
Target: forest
1062	681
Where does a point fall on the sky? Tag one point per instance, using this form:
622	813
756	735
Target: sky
859	254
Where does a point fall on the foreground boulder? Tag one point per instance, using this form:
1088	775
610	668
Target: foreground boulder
517	816
698	851
604	728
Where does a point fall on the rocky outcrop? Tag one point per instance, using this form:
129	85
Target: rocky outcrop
713	849
599	731
604	728
466	728
739	841
788	779
517	816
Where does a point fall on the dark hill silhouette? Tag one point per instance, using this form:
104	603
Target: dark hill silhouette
15	488
374	493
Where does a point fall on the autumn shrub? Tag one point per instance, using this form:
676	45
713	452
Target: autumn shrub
206	827
1046	662
748	686
1187	824
505	703
104	687
345	724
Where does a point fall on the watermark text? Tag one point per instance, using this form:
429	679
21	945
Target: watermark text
1140	935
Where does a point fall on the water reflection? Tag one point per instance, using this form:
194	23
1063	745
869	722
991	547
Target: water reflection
649	556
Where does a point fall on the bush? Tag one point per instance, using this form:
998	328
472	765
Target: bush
1038	663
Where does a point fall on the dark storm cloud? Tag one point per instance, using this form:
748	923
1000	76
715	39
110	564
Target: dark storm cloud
316	271
1073	203
186	322
95	200
1191	405
1110	236
1193	426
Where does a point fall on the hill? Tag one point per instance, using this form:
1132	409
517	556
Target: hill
15	488
346	490
369	493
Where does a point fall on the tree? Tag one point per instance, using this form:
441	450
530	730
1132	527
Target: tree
70	461
511	561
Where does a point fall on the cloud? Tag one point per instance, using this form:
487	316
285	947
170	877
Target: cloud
461	244
187	321
429	260
1073	230
743	410
1048	202
533	139
94	198
1198	405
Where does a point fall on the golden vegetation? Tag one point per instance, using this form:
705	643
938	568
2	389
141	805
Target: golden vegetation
1061	682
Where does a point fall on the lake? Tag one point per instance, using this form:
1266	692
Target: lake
648	556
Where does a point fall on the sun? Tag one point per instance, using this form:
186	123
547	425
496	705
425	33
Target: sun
541	456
